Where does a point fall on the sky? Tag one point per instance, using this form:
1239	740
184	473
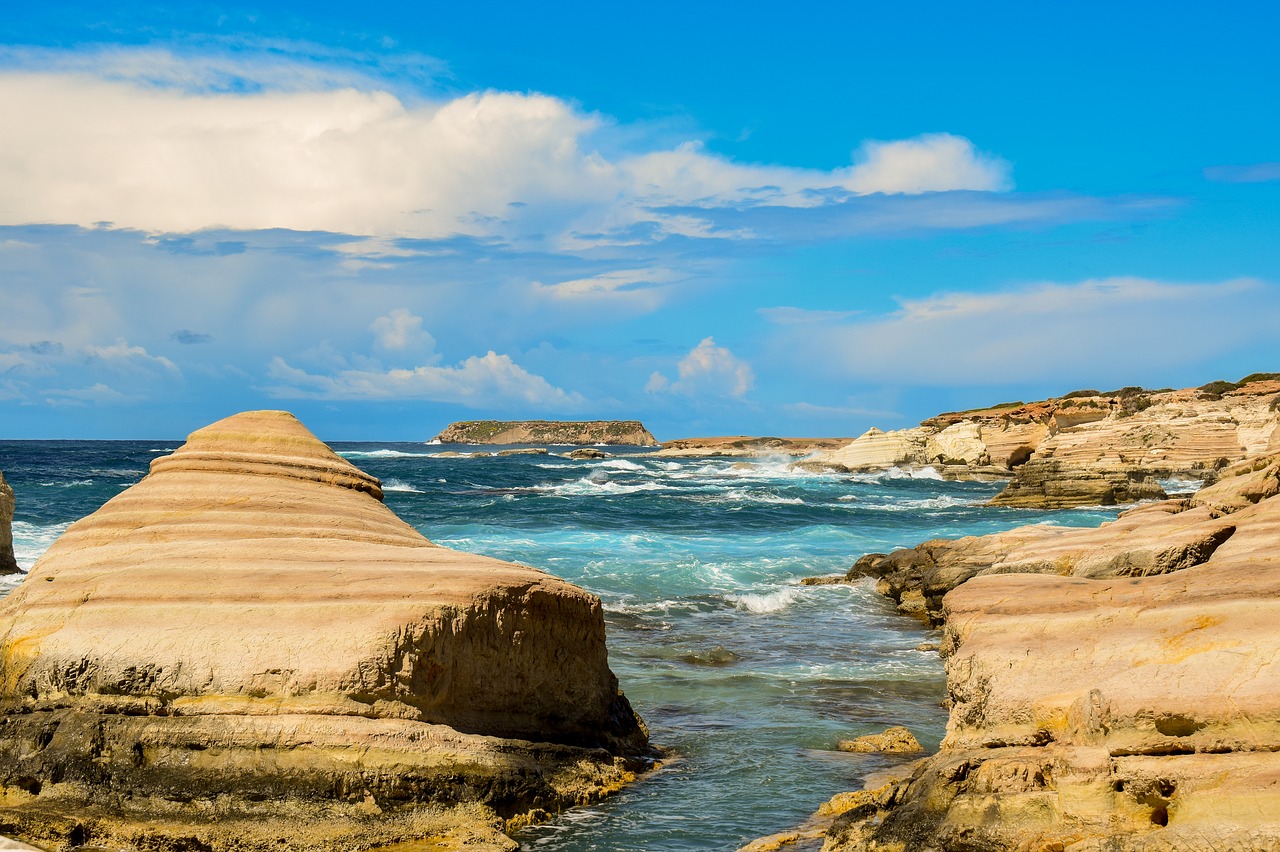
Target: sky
719	218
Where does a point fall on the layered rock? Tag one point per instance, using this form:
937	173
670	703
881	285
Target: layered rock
1140	711
1086	448
250	634
8	565
613	432
745	446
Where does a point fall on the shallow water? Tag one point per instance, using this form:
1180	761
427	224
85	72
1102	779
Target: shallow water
745	677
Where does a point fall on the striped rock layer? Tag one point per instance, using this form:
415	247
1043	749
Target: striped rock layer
8	565
250	624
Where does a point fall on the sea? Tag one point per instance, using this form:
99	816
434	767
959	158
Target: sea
746	677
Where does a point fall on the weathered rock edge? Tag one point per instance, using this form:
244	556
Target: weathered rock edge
248	650
8	565
613	432
1136	712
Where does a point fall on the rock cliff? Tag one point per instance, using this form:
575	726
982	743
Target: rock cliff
1086	448
1110	689
248	650
615	432
7	563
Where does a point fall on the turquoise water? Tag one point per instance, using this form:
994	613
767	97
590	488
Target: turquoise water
745	677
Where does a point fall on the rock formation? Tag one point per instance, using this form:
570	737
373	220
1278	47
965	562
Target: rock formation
1110	689
748	447
615	432
8	565
248	650
1085	448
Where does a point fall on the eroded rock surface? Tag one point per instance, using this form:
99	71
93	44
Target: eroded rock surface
8	565
1086	448
1127	700
249	634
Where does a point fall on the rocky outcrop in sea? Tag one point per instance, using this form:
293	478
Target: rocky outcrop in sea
247	650
612	432
1085	448
8	565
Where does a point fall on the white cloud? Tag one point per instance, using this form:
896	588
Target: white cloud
708	370
795	316
120	354
401	330
143	140
640	289
1045	332
479	381
97	393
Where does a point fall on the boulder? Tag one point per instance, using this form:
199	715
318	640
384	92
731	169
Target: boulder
8	565
588	453
250	634
895	740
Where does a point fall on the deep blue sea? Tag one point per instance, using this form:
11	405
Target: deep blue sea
745	677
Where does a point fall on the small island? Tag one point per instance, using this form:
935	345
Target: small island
630	433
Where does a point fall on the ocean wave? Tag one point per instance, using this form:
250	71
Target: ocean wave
944	501
75	483
874	476
117	472
765	603
743	495
399	485
30	541
383	454
1178	485
598	487
620	464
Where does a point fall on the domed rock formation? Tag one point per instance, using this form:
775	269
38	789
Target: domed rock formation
248	634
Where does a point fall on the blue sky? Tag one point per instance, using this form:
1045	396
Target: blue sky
719	218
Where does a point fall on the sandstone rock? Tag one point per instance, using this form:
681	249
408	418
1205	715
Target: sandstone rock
877	450
8	565
7	845
528	451
618	432
1136	712
958	444
249	633
895	740
1052	484
588	453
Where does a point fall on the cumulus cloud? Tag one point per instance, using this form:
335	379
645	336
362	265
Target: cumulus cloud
139	142
479	381
400	330
97	393
639	289
708	370
1045	331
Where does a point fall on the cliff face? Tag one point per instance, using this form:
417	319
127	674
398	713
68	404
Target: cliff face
1139	711
1085	449
7	563
748	446
250	632
613	432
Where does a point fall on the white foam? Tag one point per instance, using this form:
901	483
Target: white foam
399	485
765	603
589	487
620	464
383	454
30	541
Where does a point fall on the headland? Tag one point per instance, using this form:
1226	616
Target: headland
574	433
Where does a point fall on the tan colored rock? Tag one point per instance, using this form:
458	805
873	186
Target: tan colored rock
958	444
251	630
8	565
588	453
1136	712
877	450
7	845
895	740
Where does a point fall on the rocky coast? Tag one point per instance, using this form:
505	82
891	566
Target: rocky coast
1110	689
1086	447
247	650
744	446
